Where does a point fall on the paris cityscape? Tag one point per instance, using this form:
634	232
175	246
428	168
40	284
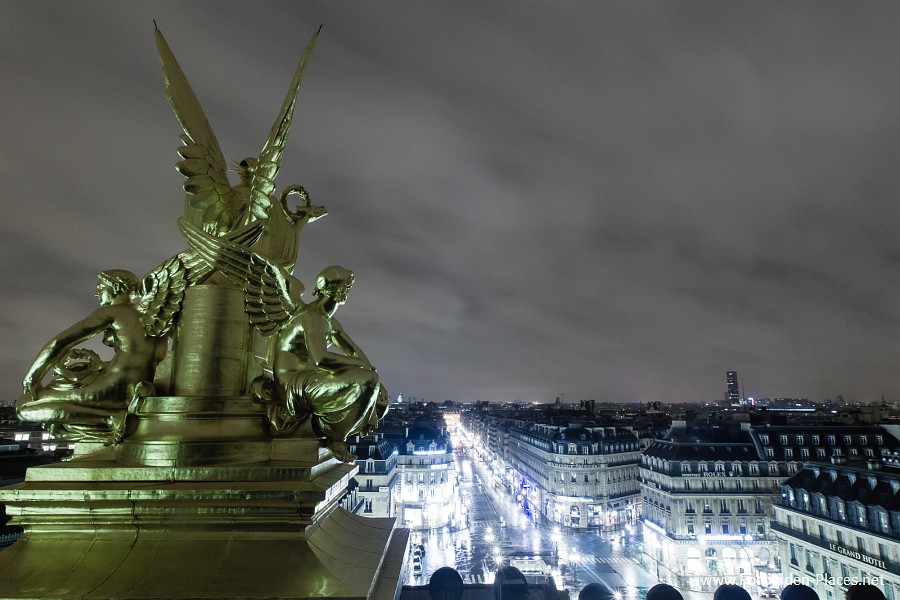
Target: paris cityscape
756	492
574	229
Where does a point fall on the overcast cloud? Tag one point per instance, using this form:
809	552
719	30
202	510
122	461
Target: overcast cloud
616	200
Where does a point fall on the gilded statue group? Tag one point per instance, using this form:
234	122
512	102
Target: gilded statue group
238	235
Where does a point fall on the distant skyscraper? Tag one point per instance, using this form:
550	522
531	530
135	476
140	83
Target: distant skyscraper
733	387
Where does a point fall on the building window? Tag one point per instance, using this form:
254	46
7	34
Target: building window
815	440
770	453
725	528
789	453
863	440
690	528
804	452
764	439
783	440
707	527
799	439
723	506
831	440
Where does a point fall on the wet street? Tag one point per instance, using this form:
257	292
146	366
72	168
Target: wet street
496	530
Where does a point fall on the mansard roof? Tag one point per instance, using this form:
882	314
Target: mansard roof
688	451
850	483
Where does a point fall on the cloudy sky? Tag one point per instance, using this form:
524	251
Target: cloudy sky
616	200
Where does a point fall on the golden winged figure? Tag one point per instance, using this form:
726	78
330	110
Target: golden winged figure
88	399
339	390
212	202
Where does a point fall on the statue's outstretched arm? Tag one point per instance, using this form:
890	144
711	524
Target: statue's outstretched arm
56	348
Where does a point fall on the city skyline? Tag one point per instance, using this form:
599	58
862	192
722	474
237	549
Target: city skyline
618	202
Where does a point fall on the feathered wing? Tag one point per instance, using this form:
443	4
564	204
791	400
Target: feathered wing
203	163
262	185
163	288
163	291
271	294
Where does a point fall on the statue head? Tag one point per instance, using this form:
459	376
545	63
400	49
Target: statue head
334	282
117	282
246	168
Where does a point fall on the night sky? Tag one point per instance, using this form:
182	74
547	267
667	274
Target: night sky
617	200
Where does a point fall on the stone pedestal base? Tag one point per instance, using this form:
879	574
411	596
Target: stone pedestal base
95	528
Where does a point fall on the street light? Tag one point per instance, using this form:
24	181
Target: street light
573	558
555	536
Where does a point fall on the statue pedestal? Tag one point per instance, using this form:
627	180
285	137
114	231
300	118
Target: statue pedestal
98	528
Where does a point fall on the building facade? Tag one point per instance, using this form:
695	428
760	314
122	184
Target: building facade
377	476
839	524
706	501
428	480
709	491
577	476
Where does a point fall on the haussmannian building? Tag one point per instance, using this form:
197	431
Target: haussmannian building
428	480
377	476
839	524
708	494
578	476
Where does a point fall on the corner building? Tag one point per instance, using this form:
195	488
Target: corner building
706	500
577	476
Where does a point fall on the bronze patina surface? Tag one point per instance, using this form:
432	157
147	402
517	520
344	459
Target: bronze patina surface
211	459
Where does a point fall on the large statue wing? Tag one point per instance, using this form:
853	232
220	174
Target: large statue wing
202	161
271	294
163	291
262	185
163	288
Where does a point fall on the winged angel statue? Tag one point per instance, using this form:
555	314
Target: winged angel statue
340	392
88	399
212	203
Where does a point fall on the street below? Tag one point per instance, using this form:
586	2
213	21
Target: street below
494	529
